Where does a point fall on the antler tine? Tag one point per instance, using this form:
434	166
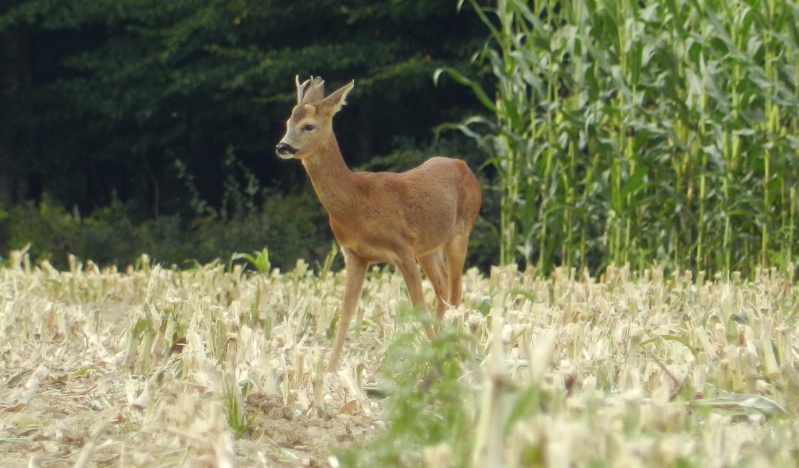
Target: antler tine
317	88
301	88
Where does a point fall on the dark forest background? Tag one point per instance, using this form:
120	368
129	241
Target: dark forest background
132	126
604	132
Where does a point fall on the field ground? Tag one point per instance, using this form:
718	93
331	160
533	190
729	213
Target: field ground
154	367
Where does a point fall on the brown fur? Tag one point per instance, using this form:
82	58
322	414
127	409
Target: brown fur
401	218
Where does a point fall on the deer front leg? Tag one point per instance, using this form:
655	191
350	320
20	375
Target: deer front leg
355	273
413	281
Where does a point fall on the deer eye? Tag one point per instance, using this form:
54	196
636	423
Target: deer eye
308	127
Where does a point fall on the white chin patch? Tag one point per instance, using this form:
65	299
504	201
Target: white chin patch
285	155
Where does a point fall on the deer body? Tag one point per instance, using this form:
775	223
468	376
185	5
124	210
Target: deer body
401	218
377	215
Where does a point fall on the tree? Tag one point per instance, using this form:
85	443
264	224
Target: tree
108	95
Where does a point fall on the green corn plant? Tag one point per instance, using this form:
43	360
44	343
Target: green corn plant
636	133
258	260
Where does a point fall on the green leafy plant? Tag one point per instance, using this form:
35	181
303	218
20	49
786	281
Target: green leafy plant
293	226
258	260
428	402
619	137
236	410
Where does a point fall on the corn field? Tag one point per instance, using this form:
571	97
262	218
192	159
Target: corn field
215	367
661	132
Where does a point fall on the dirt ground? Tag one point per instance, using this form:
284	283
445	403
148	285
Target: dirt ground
304	439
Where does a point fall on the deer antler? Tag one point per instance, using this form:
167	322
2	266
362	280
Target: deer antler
311	90
300	88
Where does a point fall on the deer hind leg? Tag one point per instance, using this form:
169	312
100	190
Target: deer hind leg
355	273
455	250
413	281
433	267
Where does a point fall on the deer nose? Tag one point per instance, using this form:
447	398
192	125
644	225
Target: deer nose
284	149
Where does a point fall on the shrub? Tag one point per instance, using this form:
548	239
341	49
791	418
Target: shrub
290	226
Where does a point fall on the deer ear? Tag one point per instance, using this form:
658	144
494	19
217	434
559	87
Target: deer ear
337	98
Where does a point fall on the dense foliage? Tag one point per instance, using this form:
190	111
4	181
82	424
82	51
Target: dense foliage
663	131
620	132
146	102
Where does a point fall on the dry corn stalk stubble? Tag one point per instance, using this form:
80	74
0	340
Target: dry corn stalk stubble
641	369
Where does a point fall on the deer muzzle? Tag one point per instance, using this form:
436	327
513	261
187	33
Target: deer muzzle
285	151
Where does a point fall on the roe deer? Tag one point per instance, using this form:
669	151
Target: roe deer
401	218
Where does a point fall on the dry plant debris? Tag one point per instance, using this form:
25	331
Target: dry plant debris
157	367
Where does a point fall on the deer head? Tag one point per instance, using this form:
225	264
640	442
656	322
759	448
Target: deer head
311	121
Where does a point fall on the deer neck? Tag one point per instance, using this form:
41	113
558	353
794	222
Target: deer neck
331	178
